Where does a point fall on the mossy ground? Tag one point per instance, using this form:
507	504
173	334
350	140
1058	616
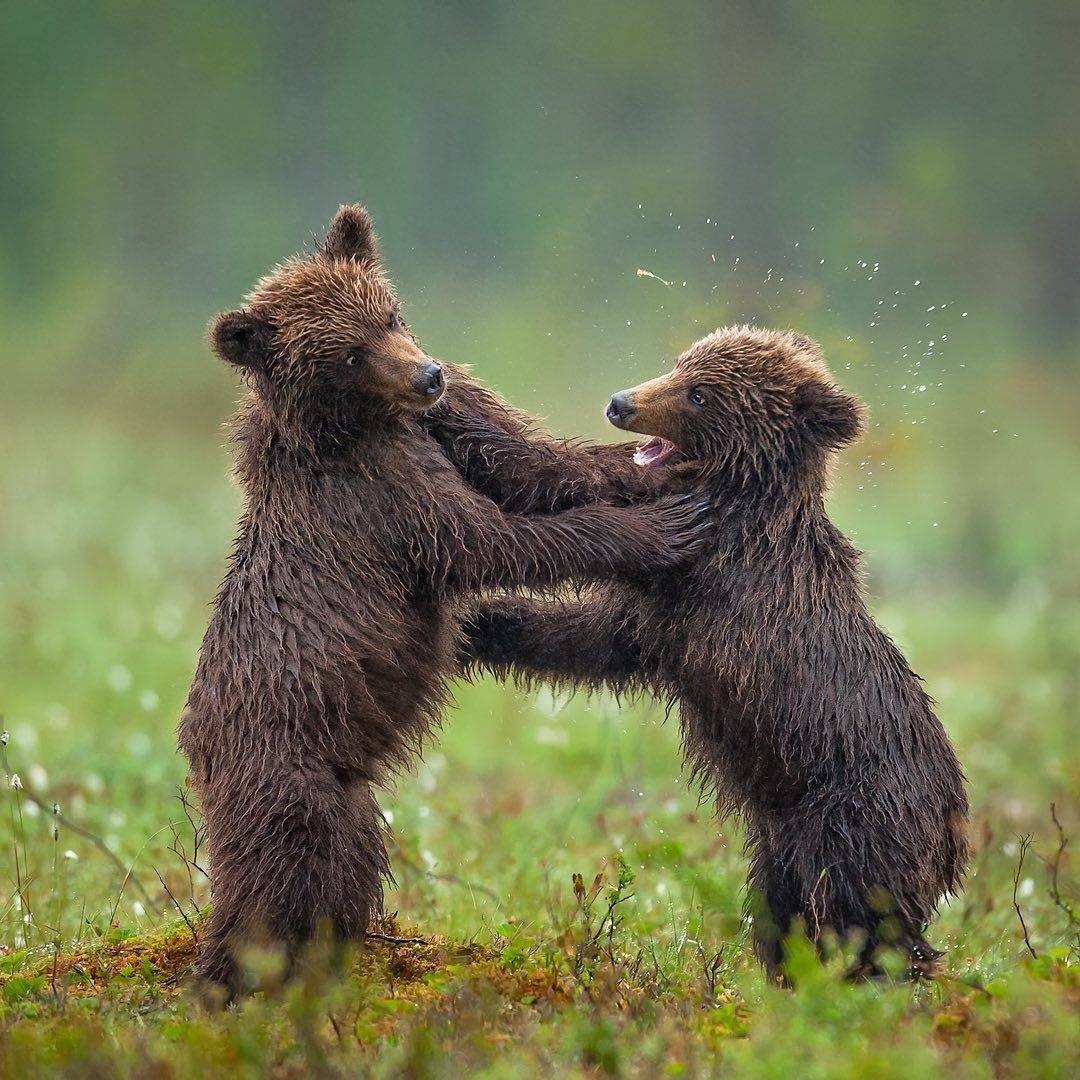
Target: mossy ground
590	1003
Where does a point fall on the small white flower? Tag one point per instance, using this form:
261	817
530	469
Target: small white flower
168	620
138	909
16	783
139	744
546	735
4	737
69	854
119	678
56	809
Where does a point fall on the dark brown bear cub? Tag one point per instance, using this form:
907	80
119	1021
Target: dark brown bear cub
796	708
331	640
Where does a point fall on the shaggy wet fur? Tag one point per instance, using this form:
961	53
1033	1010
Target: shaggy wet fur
325	662
797	710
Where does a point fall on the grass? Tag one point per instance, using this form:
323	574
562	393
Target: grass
578	911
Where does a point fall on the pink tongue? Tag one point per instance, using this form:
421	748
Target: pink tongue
653	451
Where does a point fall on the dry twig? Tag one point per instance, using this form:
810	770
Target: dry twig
1025	843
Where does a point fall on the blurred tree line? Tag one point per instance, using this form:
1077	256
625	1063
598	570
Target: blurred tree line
844	167
171	148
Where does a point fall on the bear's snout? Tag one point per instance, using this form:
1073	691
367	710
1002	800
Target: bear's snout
621	409
430	380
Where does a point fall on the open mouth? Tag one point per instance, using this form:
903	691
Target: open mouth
653	451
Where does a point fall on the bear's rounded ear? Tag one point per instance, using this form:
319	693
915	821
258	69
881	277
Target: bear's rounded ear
351	235
831	416
241	338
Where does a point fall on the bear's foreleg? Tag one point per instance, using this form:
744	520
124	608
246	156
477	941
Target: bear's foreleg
477	547
572	645
501	452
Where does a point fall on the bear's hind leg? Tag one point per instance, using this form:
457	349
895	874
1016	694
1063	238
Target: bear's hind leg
304	849
837	872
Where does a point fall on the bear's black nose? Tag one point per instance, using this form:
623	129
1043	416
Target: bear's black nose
620	410
431	379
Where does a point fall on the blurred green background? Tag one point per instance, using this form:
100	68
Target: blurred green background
902	181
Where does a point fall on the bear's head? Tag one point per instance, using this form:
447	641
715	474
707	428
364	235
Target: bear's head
754	405
321	338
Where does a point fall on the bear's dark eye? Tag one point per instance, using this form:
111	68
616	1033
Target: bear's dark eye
697	397
354	357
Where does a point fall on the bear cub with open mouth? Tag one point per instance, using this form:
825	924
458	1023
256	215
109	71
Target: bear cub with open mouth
797	710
